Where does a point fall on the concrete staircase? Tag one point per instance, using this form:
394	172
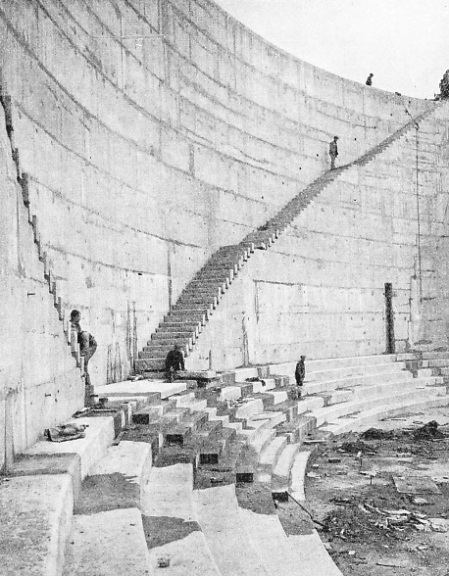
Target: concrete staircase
185	321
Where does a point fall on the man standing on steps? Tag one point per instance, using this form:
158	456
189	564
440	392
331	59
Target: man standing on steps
174	362
300	372
88	347
333	151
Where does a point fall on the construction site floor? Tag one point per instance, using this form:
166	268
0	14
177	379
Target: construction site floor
369	527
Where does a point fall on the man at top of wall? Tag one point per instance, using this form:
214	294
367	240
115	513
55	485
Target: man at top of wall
369	80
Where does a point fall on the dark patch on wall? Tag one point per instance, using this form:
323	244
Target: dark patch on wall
161	530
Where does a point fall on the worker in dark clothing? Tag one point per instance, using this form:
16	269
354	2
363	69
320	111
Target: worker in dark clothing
333	151
174	362
369	80
444	86
300	372
88	347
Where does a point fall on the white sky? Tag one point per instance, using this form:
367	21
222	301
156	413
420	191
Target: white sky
404	43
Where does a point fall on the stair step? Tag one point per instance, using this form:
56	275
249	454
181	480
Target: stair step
271	451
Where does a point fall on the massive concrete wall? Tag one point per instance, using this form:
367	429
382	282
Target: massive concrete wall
40	384
155	131
320	289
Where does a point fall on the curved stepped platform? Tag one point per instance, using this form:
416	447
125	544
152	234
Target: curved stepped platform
213	439
201	296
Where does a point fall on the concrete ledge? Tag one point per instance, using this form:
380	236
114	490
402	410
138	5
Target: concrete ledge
297	476
36	512
43	464
99	436
117	480
138	388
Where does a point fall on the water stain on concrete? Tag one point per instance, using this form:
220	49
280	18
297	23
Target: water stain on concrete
102	492
161	530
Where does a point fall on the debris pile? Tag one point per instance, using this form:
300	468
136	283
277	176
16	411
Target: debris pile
356	447
359	520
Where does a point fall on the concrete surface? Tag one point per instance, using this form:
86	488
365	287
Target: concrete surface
36	513
108	543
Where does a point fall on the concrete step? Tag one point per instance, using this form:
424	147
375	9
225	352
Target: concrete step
167	504
140	388
171	335
181	431
298	474
369	416
190	401
367	379
279	396
285	462
132	460
145	365
327	364
271	451
219	519
100	544
230	393
215	445
169	341
332	413
261	439
249	408
269	541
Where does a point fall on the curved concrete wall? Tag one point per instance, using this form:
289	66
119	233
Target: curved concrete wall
40	385
320	289
154	132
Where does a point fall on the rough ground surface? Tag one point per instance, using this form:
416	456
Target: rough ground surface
370	528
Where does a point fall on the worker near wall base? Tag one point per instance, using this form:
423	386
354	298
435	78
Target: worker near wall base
300	372
174	362
88	347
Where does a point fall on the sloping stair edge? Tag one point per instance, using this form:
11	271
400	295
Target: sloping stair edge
24	181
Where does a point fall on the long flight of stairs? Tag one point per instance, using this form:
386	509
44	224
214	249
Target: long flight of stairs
185	321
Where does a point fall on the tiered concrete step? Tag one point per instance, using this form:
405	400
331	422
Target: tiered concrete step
219	518
412	390
369	416
270	543
170	520
108	522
